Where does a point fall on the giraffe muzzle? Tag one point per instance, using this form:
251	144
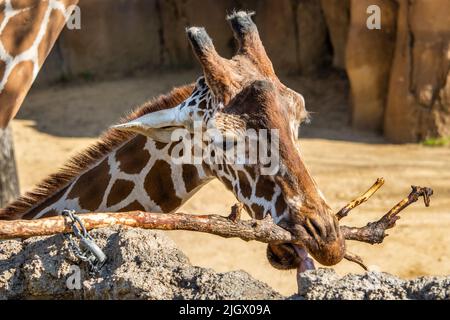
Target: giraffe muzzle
322	239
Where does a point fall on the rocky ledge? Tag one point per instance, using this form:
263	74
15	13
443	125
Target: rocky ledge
146	264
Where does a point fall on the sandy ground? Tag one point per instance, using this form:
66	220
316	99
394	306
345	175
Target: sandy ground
57	122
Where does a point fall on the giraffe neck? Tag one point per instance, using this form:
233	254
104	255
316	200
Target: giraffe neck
138	175
260	195
28	30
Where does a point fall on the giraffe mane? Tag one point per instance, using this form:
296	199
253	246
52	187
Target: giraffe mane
84	160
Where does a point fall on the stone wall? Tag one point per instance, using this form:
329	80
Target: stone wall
121	36
418	103
398	74
141	264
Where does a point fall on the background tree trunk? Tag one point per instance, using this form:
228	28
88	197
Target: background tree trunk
9	183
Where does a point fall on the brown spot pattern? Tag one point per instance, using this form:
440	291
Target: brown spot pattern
2	15
227	183
202	106
280	205
132	157
50	213
265	188
225	169
206	169
250	170
47	203
135	205
190	177
91	186
258	210
160	145
161	189
120	190
22	4
232	172
19	81
2	67
22	29
246	188
172	146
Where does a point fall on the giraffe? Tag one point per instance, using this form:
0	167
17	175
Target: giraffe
28	31
132	166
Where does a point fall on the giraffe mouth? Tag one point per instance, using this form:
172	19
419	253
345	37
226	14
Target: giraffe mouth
327	253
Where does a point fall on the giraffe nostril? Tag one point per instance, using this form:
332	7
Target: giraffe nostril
310	230
317	228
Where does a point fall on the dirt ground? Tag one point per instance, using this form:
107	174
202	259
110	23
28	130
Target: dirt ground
57	122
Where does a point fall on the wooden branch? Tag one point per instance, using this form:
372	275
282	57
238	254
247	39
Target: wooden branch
356	259
375	232
260	230
361	199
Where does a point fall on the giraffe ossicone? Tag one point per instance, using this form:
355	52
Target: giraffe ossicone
133	167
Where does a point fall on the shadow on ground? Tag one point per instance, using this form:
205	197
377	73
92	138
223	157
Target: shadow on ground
86	109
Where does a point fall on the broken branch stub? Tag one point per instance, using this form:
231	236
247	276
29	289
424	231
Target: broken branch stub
375	232
361	199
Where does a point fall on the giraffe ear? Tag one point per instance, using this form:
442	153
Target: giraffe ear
159	125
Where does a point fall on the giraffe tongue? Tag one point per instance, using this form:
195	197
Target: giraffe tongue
306	264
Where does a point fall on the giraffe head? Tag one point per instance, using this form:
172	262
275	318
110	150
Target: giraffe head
241	95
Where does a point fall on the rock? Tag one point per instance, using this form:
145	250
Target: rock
313	49
146	264
326	284
115	37
177	15
278	32
143	264
398	74
368	62
337	18
295	37
418	104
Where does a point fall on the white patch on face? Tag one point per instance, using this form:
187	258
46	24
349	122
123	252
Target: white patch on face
296	201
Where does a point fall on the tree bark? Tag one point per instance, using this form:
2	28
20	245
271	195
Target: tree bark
264	230
9	183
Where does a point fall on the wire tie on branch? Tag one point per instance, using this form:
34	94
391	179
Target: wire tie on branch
88	250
